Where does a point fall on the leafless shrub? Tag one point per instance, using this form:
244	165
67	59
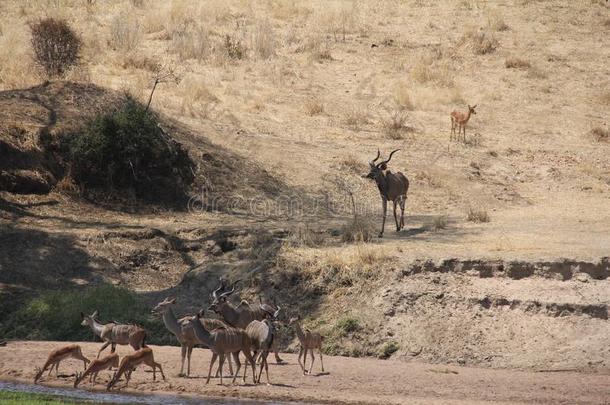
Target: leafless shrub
56	46
304	235
190	42
313	106
318	48
264	40
402	98
535	72
601	134
234	47
481	41
358	229
134	60
394	126
124	33
355	118
516	63
430	69
477	215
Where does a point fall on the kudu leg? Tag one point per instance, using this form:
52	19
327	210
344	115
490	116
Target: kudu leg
403	201
214	355
105	345
299	360
313	358
188	364
305	362
395	217
321	361
237	365
221	363
384	204
183	351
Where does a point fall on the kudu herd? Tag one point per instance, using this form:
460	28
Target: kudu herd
248	329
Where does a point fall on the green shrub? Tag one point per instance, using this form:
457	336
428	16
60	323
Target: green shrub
388	349
55	315
127	150
56	46
348	325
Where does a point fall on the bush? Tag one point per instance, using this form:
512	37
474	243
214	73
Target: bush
55	315
56	46
127	150
516	63
388	349
348	325
601	134
477	215
358	229
124	33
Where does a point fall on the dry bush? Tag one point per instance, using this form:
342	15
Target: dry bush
430	68
358	229
394	126
601	134
137	61
56	46
264	40
313	106
355	118
304	236
197	99
318	47
516	63
481	41
190	42
477	215
234	48
124	33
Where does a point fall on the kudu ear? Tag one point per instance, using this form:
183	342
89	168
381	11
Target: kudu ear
95	314
82	315
383	166
474	106
172	301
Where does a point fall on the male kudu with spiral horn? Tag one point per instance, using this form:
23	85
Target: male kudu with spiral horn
392	187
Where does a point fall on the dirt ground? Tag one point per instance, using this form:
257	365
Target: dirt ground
346	380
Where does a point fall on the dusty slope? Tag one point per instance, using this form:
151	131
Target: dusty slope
346	380
530	163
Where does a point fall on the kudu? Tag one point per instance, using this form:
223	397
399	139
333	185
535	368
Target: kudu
261	334
392	187
97	365
459	121
114	333
224	341
237	316
131	361
183	331
309	341
57	355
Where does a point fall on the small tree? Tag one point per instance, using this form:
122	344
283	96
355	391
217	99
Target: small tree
56	46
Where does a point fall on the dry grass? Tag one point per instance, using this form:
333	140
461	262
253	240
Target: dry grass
431	69
355	118
604	97
190	42
516	63
353	165
197	99
358	229
535	72
394	126
264	40
313	106
601	134
124	33
481	41
477	215
438	223
402	97
496	22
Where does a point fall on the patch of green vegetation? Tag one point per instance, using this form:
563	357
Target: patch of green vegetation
55	315
21	398
127	150
347	325
388	349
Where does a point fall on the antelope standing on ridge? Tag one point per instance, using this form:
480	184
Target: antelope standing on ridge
309	341
238	316
114	333
57	355
459	121
183	331
392	187
97	365
131	361
224	341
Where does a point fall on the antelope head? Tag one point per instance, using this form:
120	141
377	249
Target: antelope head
376	169
161	307
471	109
88	320
219	296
